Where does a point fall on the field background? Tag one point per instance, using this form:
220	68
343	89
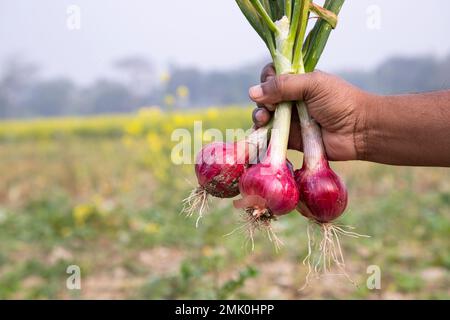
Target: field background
102	193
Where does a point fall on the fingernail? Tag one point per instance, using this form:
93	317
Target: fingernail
256	92
259	115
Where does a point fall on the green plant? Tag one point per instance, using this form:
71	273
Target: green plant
231	286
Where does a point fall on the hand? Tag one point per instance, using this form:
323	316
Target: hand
336	105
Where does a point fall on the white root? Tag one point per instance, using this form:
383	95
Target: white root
196	202
258	220
327	254
307	260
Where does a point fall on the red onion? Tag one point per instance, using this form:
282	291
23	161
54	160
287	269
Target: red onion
268	190
323	195
218	168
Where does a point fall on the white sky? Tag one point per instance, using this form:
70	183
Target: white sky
204	33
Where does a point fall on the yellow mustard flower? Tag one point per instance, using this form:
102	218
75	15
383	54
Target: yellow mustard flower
183	92
81	213
169	100
151	228
154	142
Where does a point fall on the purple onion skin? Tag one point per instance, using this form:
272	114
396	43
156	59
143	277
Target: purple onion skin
275	188
218	169
323	195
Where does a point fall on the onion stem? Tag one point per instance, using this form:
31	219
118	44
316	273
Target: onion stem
300	31
282	118
288	9
318	36
313	148
265	16
295	18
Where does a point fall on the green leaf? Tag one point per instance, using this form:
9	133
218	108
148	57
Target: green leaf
288	9
277	9
266	5
317	38
267	20
325	14
257	22
253	18
298	30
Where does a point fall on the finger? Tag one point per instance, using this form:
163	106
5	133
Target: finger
261	116
268	72
285	88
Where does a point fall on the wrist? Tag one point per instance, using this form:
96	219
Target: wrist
366	118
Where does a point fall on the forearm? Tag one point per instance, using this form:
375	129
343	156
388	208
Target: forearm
407	130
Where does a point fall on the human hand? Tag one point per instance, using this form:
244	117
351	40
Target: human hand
337	106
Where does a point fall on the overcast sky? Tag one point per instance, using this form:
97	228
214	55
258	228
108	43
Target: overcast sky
205	33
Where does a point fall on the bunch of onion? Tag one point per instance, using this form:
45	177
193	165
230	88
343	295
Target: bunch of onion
219	166
267	189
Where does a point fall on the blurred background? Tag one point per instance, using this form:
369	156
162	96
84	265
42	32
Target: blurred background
90	93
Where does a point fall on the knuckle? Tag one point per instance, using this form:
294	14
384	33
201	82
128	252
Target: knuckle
317	76
317	80
321	78
279	85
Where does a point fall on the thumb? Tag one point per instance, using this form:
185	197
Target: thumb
288	87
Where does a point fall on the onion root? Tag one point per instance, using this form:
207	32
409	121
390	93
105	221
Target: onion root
327	254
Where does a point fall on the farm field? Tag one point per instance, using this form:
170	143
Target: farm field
102	193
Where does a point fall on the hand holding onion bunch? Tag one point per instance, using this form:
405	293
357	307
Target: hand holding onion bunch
270	188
